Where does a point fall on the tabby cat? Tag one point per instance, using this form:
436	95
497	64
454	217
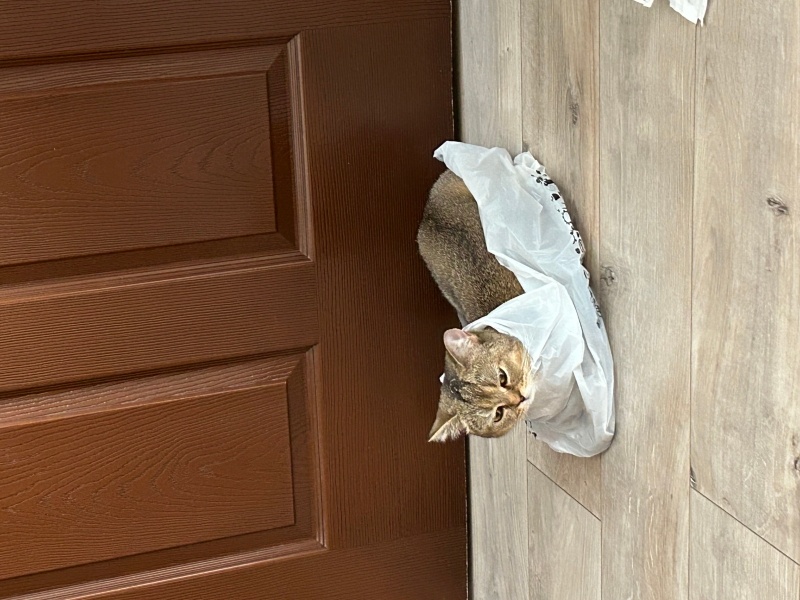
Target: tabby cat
486	387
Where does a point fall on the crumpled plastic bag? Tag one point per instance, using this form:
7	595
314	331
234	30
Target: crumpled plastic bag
527	227
694	10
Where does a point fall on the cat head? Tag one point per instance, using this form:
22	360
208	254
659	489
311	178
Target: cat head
487	386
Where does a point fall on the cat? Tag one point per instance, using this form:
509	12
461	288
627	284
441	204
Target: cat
487	387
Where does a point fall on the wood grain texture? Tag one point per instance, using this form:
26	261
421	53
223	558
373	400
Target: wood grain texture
498	516
90	486
293	372
422	566
288	210
578	477
490	115
746	367
563	544
694	240
730	561
560	104
85	399
346	114
150	162
646	156
61	77
383	124
49	337
51	27
489	63
560	122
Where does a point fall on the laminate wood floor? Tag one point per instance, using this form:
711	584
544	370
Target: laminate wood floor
678	149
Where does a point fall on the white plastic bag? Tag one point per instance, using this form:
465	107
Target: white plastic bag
527	227
694	10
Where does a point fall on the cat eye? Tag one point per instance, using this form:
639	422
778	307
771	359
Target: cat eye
498	414
503	378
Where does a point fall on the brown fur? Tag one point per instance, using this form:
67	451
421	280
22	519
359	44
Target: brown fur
452	245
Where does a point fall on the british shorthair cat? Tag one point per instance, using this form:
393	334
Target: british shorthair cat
487	387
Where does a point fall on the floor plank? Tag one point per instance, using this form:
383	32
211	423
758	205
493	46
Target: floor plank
646	157
560	109
499	516
693	245
489	105
579	477
563	546
489	73
560	121
730	561
746	367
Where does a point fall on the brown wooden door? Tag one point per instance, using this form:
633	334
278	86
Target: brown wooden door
218	348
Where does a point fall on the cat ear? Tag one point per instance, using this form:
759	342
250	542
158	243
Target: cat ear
446	427
460	345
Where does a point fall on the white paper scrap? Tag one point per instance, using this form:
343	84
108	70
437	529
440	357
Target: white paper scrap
694	10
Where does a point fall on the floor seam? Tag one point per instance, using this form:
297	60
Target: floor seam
750	529
559	486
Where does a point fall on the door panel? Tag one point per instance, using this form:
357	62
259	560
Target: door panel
104	486
219	347
109	327
237	450
51	27
138	153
